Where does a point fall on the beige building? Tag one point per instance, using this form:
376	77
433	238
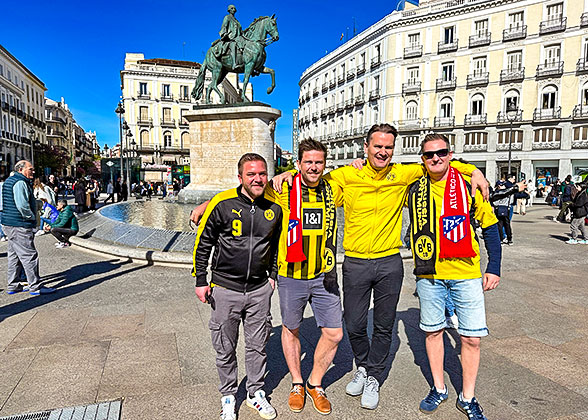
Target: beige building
454	67
156	93
21	111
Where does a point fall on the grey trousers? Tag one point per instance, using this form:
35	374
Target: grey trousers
22	254
230	308
577	227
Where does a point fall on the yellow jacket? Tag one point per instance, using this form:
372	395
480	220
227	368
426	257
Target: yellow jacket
373	202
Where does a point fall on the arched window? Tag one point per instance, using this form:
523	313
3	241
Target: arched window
350	122
361	122
185	140
477	104
412	111
375	115
549	97
512	98
340	127
584	95
167	139
144	138
446	107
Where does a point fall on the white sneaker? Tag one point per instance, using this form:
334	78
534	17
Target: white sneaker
262	405
40	232
3	239
451	322
571	241
355	387
371	394
228	410
62	245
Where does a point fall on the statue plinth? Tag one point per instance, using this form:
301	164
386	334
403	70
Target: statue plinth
219	136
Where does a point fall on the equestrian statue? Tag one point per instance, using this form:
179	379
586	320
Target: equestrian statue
237	51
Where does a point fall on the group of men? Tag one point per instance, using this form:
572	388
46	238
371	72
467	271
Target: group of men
288	234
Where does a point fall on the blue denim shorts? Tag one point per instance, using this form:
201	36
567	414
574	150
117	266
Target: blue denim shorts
324	298
468	298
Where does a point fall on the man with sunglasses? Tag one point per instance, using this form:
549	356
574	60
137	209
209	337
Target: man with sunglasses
447	263
373	199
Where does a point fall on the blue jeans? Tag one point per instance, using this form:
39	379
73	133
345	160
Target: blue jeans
43	221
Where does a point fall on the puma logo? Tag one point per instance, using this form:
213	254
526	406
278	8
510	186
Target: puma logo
238	213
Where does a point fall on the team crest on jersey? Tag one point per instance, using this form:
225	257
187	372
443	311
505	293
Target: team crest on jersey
391	176
269	214
454	228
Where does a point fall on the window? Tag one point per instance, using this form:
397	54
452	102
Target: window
412	110
546	135
144	138
449	35
167	139
375	115
584	95
343	70
143	113
555	12
185	140
361	89
414	40
478	138
481	27
514	60
1	70
479	66
549	97
503	136
581	133
511	98
360	123
362	60
516	20
142	88
410	142
446	108
184	92
376	82
167	114
552	55
477	104
351	93
447	72
413	75
377	52
350	122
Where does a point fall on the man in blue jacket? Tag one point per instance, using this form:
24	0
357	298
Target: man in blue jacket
18	222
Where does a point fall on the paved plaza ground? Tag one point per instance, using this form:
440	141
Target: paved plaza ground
120	329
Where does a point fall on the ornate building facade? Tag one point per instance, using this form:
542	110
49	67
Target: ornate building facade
22	119
156	93
456	67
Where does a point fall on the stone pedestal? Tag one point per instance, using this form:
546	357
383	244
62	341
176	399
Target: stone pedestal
219	136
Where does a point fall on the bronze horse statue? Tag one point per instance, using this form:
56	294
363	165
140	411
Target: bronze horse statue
250	63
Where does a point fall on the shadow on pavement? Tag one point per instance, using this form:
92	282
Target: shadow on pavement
63	282
559	237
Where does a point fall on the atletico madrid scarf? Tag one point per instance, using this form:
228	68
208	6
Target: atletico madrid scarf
295	252
455	239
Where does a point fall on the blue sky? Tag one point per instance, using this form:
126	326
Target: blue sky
78	47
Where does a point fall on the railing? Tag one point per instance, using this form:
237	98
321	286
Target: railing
325	87
167	98
340	106
341	78
514	146
444	47
547	114
412	150
478	79
480	40
411	87
332	83
446	84
553	25
167	123
514	32
475	147
315	116
315	91
503	118
359	99
145	121
584	20
350	74
413	51
349	103
512	75
471	119
323	112
360	68
374	94
444	121
331	109
408	124
554	69
184	98
579	144
580	111
546	145
582	66
375	62
143	95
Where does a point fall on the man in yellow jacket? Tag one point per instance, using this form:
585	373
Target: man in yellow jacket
373	198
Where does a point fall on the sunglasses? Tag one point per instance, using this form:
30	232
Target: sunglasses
440	153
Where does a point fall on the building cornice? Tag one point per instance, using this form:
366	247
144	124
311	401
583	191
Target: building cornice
23	67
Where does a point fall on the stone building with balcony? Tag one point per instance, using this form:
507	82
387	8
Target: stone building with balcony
22	119
61	131
454	66
156	93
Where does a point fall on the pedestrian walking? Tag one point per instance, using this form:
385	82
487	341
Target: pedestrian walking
80	195
110	192
18	222
579	208
566	198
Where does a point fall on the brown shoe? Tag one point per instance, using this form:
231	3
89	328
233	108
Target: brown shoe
319	399
296	398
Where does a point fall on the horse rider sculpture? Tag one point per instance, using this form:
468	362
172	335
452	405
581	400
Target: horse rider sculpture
231	35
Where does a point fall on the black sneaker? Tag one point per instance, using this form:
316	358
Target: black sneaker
471	409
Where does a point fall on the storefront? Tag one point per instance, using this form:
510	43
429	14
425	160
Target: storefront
181	173
546	172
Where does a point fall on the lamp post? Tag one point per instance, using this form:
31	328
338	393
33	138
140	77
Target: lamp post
120	110
31	134
127	135
511	114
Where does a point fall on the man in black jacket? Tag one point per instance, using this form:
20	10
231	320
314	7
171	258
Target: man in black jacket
579	209
244	228
566	198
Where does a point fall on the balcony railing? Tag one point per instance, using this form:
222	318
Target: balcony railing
411	86
582	66
325	87
332	83
184	98
444	121
579	144
167	97
350	74
331	109
471	119
315	116
323	112
514	32
374	94
410	124
446	84
512	75
480	40
580	111
167	123
554	69
546	145
412	150
553	25
584	20
359	99
514	146
349	103
143	95
547	114
340	106
478	79
360	68
315	91
375	62
503	118
341	78
475	147
145	121
445	47
413	51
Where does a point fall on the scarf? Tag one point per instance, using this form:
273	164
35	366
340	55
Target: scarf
294	240
455	239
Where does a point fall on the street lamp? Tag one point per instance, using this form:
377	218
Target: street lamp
120	110
31	134
512	112
128	134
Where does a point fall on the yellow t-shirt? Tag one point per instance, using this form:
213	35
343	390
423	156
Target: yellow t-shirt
460	268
